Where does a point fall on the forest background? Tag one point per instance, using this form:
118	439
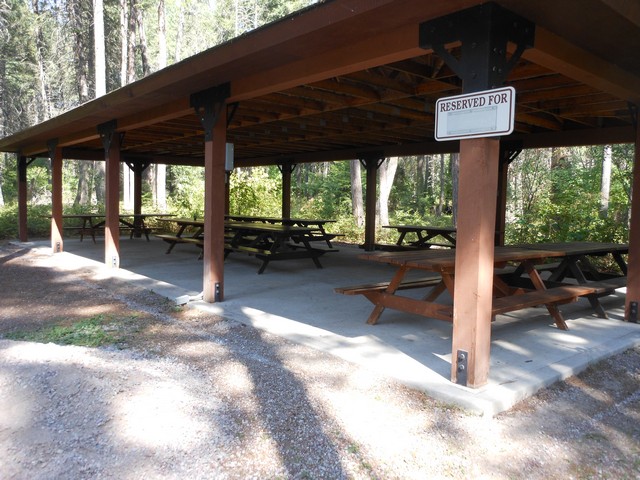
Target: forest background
58	54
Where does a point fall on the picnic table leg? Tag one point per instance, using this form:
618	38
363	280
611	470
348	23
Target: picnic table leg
92	230
391	289
538	283
312	253
401	238
84	226
620	261
265	262
580	277
435	292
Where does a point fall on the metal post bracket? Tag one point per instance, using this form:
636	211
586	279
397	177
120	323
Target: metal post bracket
484	32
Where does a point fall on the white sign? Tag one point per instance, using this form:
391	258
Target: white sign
481	114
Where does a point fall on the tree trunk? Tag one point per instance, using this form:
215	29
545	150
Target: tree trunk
83	195
144	57
440	207
386	173
455	171
98	181
606	182
357	203
1	180
131	42
43	110
161	169
162	36
3	119
180	31
421	167
124	43
99	53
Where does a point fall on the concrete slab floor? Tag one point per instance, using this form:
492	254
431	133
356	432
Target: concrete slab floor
295	300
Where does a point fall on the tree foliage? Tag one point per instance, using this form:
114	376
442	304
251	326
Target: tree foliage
46	68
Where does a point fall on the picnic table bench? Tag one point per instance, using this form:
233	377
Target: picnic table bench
511	292
413	237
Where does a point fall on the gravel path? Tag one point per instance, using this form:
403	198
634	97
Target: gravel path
188	395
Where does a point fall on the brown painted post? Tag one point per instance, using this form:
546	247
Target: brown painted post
509	151
210	106
227	192
111	142
633	270
501	204
214	155
478	181
371	165
286	169
138	168
22	198
137	189
55	153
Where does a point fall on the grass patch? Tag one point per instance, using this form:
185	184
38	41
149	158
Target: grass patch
96	331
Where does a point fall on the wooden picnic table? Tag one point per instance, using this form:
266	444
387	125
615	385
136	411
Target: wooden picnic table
424	236
575	264
189	231
319	234
91	223
507	296
265	241
137	222
268	242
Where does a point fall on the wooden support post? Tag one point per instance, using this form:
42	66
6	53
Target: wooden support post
509	151
371	163
227	192
111	143
484	31
286	169
55	154
501	204
22	198
138	167
633	263
209	105
479	159
137	187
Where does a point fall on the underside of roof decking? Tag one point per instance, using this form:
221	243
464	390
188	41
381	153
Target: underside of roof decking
348	77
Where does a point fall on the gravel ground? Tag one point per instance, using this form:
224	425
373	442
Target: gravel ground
183	394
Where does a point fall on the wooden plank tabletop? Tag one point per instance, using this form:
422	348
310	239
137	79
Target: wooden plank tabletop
580	248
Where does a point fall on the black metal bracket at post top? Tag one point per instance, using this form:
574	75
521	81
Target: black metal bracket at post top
287	166
106	131
51	147
510	150
208	104
372	159
484	31
23	163
138	165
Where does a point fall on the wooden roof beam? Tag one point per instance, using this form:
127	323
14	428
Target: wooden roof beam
387	47
555	53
